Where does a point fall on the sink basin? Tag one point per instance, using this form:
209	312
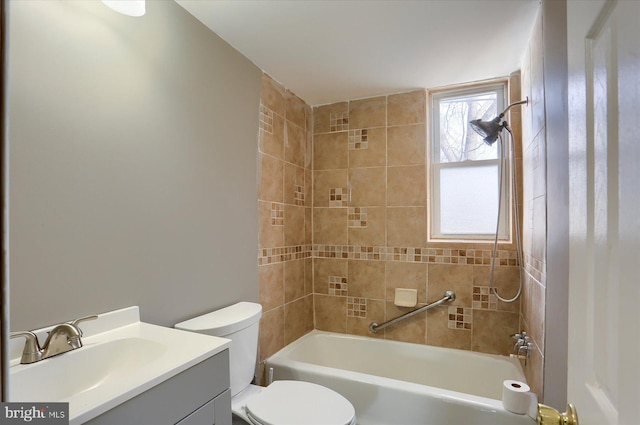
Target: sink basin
121	358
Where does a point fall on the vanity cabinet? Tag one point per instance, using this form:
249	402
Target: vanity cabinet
199	395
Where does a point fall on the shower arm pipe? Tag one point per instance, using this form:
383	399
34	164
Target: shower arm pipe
520	102
448	296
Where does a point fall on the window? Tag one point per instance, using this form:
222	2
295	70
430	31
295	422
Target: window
464	169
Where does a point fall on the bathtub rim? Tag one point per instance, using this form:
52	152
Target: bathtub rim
283	359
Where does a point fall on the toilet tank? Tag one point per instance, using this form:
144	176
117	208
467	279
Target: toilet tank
239	323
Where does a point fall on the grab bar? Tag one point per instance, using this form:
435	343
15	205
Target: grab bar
448	296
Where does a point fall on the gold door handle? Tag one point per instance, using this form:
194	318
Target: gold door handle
550	416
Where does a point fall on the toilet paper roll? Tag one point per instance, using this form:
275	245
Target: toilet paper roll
516	396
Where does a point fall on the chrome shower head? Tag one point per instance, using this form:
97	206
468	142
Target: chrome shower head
490	130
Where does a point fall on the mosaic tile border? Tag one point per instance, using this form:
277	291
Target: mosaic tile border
415	255
358	139
483	298
282	254
357	217
356	307
535	267
338	197
266	119
383	253
338	285
460	318
277	214
338	121
298	195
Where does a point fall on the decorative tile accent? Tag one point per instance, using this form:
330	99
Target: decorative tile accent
287	253
339	121
298	195
277	214
266	119
358	139
338	285
484	298
357	217
356	307
411	254
460	318
338	197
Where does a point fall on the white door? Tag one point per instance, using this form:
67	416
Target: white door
604	286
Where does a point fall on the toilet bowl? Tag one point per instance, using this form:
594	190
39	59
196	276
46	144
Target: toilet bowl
292	403
280	403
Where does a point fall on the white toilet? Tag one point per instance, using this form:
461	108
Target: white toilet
282	402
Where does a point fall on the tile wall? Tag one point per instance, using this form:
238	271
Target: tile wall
284	202
343	222
370	211
534	211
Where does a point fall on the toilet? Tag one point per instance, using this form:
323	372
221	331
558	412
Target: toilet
282	402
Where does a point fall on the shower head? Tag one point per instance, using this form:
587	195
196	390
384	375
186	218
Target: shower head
490	130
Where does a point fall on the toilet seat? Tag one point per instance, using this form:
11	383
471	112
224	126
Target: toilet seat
298	402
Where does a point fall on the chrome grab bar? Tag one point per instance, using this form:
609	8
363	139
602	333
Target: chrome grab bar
448	296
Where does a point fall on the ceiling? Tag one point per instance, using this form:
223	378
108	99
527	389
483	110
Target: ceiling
331	50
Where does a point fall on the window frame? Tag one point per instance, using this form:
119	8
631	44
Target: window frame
434	226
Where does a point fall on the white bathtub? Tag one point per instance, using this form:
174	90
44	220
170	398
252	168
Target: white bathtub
399	383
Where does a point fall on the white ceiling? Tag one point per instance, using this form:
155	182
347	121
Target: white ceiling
330	50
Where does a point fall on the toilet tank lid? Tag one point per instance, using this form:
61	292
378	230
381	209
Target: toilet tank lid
224	321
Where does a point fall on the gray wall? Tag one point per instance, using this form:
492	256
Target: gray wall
133	146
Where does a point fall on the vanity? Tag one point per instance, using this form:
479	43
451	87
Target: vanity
128	371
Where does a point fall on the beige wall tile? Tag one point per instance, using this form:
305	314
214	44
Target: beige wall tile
409	330
439	334
492	331
330	226
324	181
295	142
293	280
407	145
298	318
366	279
368	186
367	113
407	108
308	187
408	276
271	177
451	277
272	95
293	176
375	153
406	226
506	280
295	109
323	268
270	236
539	231
331	151
322	116
534	372
293	225
330	313
360	325
308	276
537	78
271	279
272	143
534	311
374	233
308	226
271	332
406	186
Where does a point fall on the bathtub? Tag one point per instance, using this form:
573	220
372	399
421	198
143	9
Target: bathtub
399	383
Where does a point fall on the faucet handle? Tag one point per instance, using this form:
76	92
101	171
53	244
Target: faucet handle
82	319
32	352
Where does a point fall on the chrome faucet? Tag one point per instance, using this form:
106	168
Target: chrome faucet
62	338
522	347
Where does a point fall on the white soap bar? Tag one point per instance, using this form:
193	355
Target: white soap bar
406	297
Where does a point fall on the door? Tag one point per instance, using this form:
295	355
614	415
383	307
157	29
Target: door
604	152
